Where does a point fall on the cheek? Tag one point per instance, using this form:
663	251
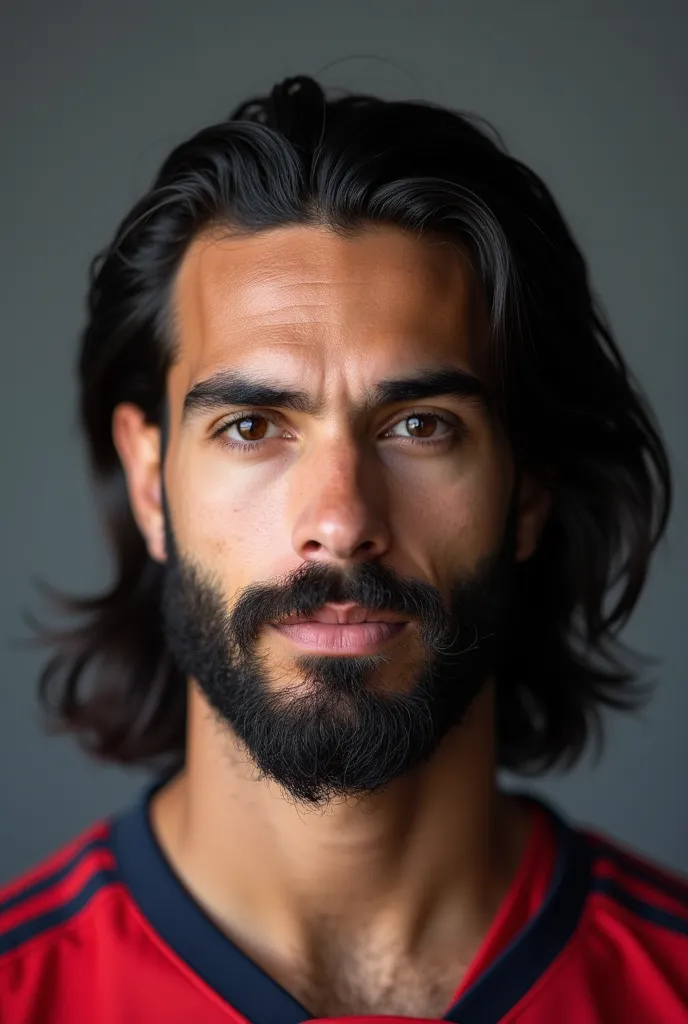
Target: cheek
460	523
229	521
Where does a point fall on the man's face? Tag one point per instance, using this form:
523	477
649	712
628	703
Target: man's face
352	494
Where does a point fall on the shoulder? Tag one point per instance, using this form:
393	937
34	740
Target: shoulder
53	897
611	933
633	934
648	893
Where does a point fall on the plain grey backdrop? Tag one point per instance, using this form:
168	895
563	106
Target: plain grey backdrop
591	93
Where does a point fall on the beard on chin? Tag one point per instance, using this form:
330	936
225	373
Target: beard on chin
329	732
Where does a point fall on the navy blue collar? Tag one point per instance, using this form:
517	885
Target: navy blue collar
185	927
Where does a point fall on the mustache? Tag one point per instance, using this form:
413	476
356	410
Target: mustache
373	586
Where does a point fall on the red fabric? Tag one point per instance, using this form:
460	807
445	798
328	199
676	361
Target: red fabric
53	863
105	963
56	895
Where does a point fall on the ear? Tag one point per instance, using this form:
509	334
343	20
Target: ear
138	445
535	503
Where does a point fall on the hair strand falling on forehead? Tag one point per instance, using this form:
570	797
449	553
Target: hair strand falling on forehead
559	384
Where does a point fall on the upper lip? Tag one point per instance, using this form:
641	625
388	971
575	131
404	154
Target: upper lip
343	615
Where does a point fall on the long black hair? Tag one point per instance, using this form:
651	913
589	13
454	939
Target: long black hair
559	384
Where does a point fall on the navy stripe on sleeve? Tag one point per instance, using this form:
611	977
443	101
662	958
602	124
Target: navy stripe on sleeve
101	843
669	886
58	915
642	908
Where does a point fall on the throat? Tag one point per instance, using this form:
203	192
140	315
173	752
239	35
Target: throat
368	981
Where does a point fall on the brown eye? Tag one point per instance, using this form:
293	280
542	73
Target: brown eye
420	425
424	427
251	428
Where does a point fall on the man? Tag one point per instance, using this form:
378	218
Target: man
370	461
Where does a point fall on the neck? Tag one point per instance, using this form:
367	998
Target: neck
425	862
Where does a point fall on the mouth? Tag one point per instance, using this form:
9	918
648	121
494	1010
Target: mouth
342	629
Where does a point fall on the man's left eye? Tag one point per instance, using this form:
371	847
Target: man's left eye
424	425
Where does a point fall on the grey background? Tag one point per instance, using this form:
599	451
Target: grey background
94	94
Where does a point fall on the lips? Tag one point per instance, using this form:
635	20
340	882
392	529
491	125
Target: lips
343	615
352	638
341	629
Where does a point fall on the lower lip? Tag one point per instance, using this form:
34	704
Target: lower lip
358	638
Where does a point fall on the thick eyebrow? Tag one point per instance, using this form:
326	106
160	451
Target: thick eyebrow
230	387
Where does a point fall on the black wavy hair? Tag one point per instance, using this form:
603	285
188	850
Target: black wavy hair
560	386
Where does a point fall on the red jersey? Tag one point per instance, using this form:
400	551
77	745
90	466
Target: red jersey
105	932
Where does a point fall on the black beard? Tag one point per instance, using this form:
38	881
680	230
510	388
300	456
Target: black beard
330	734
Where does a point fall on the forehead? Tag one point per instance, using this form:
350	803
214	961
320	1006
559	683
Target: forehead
303	299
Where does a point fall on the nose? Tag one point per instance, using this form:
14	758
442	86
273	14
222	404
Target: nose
339	507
